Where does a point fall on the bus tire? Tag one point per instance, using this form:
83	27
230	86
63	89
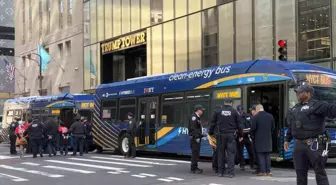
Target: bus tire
123	144
99	149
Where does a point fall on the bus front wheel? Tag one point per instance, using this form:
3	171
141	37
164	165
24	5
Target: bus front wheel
123	144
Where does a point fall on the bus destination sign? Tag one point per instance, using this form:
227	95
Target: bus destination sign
87	105
229	93
317	79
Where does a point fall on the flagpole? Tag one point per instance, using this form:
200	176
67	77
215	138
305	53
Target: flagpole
40	76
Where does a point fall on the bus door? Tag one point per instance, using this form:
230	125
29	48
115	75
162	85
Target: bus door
148	119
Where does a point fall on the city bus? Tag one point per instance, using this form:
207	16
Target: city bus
163	104
13	108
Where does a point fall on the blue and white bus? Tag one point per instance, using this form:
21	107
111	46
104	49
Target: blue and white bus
164	103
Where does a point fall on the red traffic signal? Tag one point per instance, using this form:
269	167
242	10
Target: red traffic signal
282	43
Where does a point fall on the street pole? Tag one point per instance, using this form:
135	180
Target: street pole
40	77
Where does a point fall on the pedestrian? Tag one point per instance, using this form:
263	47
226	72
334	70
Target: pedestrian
77	131
195	135
256	158
263	125
12	135
131	133
51	131
228	121
246	121
88	136
311	140
64	139
21	141
36	134
212	140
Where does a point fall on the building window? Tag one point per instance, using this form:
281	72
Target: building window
30	21
156	11
210	37
69	12
23	22
40	18
60	50
48	15
61	10
65	90
68	48
314	29
86	14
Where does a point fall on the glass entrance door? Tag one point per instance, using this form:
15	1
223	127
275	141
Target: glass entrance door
148	120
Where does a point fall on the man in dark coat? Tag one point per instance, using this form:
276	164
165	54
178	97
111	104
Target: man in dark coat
131	133
263	125
50	128
77	131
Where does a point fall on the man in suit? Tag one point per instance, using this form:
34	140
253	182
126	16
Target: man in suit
263	125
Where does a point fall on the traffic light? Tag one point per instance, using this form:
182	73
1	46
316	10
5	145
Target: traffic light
282	50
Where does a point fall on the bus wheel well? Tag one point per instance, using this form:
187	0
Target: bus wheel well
121	142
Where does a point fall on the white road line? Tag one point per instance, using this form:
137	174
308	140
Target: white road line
14	178
133	160
30	164
124	171
279	179
155	159
174	178
148	175
31	171
139	176
214	184
108	162
69	169
85	165
6	157
115	173
165	180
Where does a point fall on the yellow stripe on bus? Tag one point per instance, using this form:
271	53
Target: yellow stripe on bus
163	132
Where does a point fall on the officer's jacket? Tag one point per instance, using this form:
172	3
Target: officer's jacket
77	129
35	130
131	128
195	127
13	127
50	128
88	128
307	120
227	119
246	122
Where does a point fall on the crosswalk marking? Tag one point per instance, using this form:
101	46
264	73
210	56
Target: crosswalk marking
109	162
114	173
214	184
133	160
85	165
148	175
139	176
31	171
14	178
152	159
30	164
174	178
69	169
6	157
165	180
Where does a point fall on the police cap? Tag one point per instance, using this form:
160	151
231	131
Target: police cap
254	107
228	100
304	88
199	107
130	114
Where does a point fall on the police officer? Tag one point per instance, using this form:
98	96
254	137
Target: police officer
246	141
195	134
307	128
12	135
131	131
50	129
36	133
88	137
214	154
227	120
77	131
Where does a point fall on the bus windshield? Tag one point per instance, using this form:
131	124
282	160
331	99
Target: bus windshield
327	94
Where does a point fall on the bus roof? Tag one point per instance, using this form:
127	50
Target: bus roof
189	80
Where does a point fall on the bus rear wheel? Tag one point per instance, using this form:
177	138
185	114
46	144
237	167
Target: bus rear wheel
124	144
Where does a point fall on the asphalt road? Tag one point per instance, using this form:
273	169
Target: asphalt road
105	169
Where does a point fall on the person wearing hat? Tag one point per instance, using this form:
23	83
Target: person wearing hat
35	131
131	132
195	134
50	129
12	135
77	131
311	140
246	141
228	121
88	136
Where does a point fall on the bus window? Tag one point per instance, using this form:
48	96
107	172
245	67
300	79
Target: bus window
87	114
172	109
198	98
18	113
125	106
109	110
10	113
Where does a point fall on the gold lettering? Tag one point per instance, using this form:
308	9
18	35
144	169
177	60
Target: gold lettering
124	42
103	48
133	42
142	40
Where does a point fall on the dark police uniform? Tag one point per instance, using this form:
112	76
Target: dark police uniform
131	132
12	137
307	127
215	154
36	133
228	121
195	134
246	121
77	131
50	129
